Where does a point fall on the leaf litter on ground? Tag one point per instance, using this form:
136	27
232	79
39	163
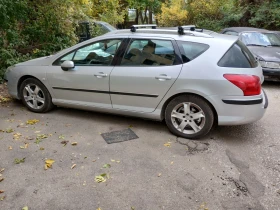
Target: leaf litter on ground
101	178
18	161
32	122
48	163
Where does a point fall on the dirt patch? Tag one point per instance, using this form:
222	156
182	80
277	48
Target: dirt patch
4	95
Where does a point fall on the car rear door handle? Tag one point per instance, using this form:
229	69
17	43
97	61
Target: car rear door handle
163	77
100	75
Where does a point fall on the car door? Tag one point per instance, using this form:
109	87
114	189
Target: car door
88	83
146	72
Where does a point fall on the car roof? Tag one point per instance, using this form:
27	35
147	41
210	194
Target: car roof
242	29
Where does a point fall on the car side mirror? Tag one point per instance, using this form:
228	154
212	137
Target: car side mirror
67	65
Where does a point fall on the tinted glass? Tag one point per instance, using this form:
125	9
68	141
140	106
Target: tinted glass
147	52
99	53
191	50
238	56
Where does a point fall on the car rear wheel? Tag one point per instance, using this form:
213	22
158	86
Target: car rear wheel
35	96
189	116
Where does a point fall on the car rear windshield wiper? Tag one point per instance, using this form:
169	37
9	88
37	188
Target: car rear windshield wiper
257	45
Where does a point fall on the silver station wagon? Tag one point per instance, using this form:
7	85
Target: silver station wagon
191	80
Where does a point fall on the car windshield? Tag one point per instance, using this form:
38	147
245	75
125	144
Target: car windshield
260	39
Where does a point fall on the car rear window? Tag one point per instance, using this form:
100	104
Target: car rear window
238	56
191	50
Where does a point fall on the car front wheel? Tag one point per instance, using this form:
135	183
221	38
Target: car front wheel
189	116
35	96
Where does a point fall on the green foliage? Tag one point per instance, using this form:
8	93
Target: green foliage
266	15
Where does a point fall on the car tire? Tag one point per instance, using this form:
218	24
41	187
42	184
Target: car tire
35	96
189	116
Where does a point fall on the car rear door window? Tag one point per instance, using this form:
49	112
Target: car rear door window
149	52
238	56
191	50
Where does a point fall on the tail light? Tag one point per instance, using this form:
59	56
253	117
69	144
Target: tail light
249	84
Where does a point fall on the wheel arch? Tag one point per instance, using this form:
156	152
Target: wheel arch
188	93
20	81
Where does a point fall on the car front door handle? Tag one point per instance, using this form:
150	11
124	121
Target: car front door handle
100	75
163	77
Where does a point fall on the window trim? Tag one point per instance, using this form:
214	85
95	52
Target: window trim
56	62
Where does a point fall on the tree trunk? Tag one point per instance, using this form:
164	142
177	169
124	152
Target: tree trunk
137	17
150	15
141	17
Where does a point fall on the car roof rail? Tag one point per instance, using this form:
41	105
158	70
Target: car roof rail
134	27
180	31
192	28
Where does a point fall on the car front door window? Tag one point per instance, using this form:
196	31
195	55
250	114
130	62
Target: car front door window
97	54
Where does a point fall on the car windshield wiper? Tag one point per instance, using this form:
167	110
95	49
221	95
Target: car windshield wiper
274	45
257	45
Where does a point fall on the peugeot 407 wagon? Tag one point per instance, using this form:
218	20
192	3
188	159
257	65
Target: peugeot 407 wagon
189	79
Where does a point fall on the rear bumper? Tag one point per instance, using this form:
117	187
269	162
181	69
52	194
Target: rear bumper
238	111
271	72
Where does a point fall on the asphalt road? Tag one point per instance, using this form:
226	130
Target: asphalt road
233	168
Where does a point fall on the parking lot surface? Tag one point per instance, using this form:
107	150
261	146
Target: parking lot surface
232	168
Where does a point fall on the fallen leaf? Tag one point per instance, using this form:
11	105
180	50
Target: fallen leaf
17	136
22	147
1	179
132	208
168	144
100	179
74	143
25	208
10	147
159	174
93	160
73	166
21	125
107	165
40	137
2	191
37	132
2	169
171	162
29	138
98	208
67	125
64	142
118	161
18	161
42	148
32	122
2	198
84	184
113	160
48	163
61	137
50	134
10	130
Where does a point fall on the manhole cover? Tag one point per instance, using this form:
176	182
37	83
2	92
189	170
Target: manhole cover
119	136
